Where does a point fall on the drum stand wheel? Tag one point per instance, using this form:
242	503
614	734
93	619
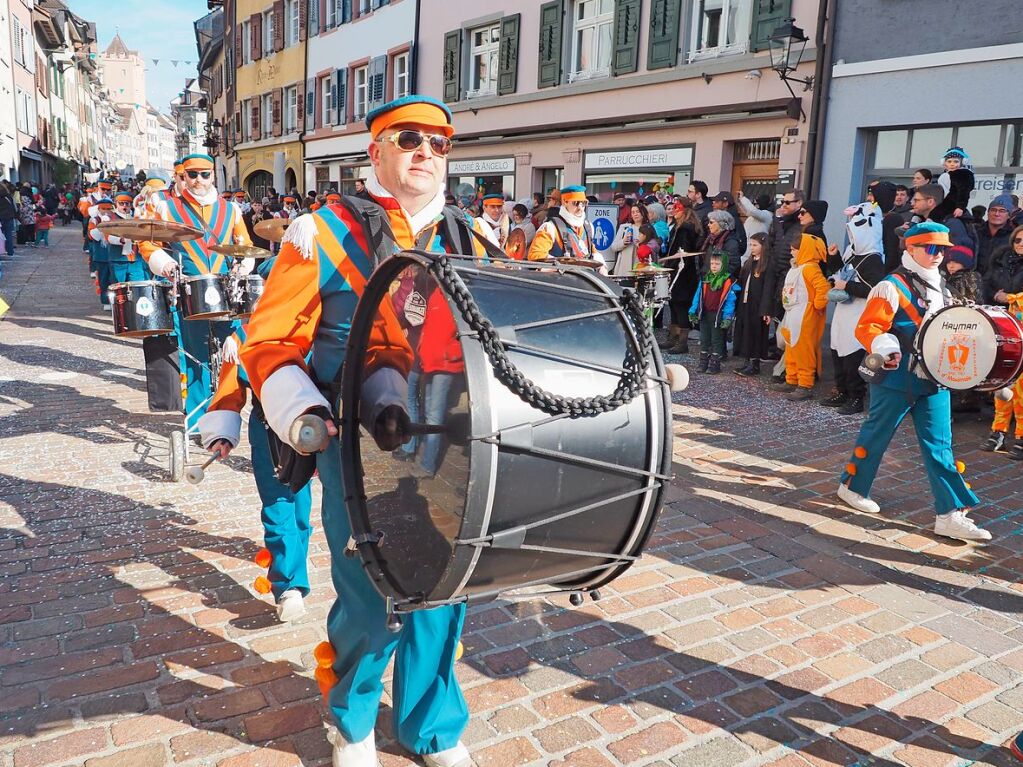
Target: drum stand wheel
178	455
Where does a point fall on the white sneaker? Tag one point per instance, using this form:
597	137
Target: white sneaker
106	307
958	525
290	606
452	757
857	501
361	754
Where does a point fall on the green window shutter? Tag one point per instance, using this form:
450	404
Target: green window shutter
551	36
452	66
768	15
508	56
665	17
626	37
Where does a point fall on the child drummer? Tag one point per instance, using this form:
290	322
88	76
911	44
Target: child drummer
896	308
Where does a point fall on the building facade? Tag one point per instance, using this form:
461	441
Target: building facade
26	113
269	39
188	112
124	76
891	114
9	154
622	95
358	55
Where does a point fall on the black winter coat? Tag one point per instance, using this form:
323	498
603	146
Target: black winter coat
779	238
988	243
1005	273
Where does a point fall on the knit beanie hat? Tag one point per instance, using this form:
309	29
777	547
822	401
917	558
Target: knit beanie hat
818	209
1002	200
884	195
961	255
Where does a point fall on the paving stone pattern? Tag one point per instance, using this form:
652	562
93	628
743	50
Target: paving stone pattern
766	624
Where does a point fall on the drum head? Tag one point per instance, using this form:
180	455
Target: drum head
515	247
494	494
958	347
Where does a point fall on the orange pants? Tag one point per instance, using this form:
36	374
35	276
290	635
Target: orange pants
1004	411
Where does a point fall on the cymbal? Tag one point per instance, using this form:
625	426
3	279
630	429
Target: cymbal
150	230
590	263
241	251
681	254
272	229
650	269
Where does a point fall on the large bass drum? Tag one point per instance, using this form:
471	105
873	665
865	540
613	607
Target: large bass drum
971	347
498	493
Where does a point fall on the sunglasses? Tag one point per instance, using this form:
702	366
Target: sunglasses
411	140
789	202
804	212
1017	240
934	250
193	174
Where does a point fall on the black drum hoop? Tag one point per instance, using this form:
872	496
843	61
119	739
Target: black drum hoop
482	453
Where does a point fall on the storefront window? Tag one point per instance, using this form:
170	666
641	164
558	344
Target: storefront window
483	185
891	148
350	174
637	172
993	148
929	146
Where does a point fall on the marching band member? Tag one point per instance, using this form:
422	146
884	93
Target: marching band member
285	513
125	264
333	198
896	308
567	234
1005	410
290	209
198	206
241	200
85	203
146	200
495	217
307	306
99	213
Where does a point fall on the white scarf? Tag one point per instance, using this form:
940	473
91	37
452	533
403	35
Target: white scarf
576	221
934	295
207	199
417	221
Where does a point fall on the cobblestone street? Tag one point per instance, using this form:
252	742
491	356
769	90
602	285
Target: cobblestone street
766	625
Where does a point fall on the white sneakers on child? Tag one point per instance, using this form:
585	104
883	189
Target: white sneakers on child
290	606
361	754
857	501
452	757
958	525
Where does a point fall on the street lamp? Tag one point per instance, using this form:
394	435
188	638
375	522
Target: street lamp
788	43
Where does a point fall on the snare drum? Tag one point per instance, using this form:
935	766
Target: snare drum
245	295
142	308
205	297
518	498
653	286
971	347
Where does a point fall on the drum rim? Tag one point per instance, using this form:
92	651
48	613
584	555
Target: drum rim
353	476
131	283
210	276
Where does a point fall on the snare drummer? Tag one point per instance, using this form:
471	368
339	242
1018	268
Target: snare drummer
125	264
198	206
307	306
100	213
495	217
896	308
567	233
285	513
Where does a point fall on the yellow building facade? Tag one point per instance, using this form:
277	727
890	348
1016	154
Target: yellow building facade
270	38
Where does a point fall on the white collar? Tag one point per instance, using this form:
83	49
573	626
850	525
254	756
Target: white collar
207	199
491	221
935	296
417	221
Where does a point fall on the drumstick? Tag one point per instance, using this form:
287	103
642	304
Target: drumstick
196	474
875	361
309	434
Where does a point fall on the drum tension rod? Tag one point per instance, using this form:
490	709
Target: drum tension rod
355	541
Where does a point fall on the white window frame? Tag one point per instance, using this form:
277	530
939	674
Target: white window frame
24	108
491	50
360	91
246	120
743	13
291	22
595	23
290	109
365	6
325	105
331	14
313	17
268	33
401	75
246	43
266	115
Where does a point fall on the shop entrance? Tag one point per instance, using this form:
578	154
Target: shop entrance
755	168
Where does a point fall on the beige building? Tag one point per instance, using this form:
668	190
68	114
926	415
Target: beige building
124	77
622	95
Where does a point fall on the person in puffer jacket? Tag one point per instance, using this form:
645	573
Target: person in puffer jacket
713	310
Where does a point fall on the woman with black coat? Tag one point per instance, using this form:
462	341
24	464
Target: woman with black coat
749	336
685	236
1005	273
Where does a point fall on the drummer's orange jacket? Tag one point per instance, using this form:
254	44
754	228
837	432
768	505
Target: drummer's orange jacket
307	308
547	243
221	220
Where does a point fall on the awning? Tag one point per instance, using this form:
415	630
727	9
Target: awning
28	154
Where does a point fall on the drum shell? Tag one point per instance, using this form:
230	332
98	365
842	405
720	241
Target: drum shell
509	485
141	308
249	290
1004	343
204	297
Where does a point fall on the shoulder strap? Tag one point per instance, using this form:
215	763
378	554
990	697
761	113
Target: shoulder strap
456	230
375	226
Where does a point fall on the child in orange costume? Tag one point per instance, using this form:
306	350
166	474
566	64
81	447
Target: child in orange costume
1005	410
805	298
